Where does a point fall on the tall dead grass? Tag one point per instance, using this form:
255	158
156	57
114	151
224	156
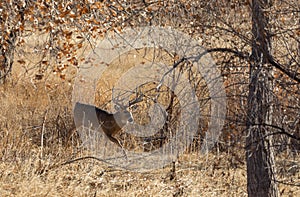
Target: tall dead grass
35	121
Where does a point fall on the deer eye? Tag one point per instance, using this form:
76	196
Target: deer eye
130	120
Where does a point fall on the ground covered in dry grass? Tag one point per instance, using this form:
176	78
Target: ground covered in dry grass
34	123
88	178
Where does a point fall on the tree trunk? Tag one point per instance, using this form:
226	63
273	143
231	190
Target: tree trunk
259	149
7	57
9	33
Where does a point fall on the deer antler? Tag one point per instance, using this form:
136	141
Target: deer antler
139	98
117	101
120	102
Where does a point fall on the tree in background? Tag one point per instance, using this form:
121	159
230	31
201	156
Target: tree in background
259	141
12	21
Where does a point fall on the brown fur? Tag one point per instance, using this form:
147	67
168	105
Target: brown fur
95	118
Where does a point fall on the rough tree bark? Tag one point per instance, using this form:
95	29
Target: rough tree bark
12	17
259	149
7	56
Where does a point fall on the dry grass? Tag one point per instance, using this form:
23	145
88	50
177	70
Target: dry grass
35	121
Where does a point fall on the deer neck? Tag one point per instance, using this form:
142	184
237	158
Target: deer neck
121	123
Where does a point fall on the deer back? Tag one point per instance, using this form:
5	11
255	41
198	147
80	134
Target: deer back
96	118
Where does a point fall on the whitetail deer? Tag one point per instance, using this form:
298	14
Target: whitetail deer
110	123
